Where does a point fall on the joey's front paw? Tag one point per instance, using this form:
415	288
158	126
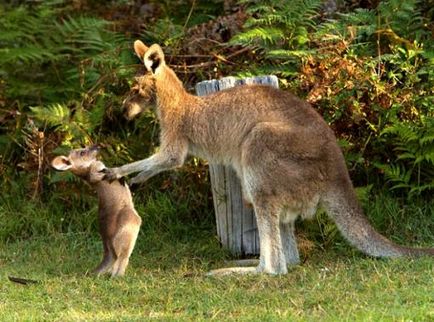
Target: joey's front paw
110	174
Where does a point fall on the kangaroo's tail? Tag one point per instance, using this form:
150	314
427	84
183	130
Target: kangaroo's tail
343	207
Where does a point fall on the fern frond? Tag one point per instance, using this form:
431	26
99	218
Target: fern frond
427	139
417	190
264	35
28	55
282	53
52	115
96	116
64	176
404	132
406	156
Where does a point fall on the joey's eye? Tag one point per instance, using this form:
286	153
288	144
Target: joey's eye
82	153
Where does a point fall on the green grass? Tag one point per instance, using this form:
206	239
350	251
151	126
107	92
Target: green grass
169	283
166	277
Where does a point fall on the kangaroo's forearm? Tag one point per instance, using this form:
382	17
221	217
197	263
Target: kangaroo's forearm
146	174
165	160
142	165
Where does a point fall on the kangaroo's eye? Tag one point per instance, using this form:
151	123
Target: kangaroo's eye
82	153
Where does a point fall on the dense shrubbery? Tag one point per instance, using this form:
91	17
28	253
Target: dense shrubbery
63	78
369	73
65	70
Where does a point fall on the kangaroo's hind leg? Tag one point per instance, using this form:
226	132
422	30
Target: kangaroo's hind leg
289	243
273	257
107	261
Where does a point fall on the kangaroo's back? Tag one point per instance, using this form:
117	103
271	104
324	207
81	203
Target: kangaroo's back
216	125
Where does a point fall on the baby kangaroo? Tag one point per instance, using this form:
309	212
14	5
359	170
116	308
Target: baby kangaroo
119	222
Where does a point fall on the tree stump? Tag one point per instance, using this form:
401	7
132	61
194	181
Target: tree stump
236	223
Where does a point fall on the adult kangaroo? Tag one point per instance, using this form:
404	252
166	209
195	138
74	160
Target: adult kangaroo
282	150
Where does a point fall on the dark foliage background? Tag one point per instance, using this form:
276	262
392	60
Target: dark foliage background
66	66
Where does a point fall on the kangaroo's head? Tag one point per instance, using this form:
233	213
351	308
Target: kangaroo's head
142	93
80	162
140	98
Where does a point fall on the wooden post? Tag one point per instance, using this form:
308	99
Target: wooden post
236	223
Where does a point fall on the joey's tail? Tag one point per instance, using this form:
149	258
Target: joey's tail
344	209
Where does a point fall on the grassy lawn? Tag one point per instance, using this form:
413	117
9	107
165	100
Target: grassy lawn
165	281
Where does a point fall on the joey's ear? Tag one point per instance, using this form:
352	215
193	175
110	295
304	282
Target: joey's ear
154	59
61	163
140	48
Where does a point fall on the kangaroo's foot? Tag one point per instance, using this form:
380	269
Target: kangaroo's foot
232	270
243	262
242	270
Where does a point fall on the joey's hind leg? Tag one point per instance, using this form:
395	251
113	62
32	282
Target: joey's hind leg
107	261
123	244
289	243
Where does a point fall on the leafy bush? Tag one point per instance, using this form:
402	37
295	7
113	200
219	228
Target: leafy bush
364	70
64	76
413	145
279	32
63	81
64	73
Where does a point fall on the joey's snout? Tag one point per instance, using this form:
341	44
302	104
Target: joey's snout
91	152
95	148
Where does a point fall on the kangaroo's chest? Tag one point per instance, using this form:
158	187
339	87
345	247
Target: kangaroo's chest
214	152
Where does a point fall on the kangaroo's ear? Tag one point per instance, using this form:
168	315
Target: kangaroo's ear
140	49
154	59
61	163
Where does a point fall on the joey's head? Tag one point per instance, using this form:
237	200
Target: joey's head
80	162
142	93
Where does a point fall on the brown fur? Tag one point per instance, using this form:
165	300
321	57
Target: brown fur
284	153
119	222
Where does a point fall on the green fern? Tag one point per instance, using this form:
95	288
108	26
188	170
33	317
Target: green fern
65	72
81	48
279	31
403	17
259	35
53	115
413	168
76	126
279	22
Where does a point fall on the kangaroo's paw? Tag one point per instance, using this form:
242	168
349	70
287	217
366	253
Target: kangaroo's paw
110	174
232	270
